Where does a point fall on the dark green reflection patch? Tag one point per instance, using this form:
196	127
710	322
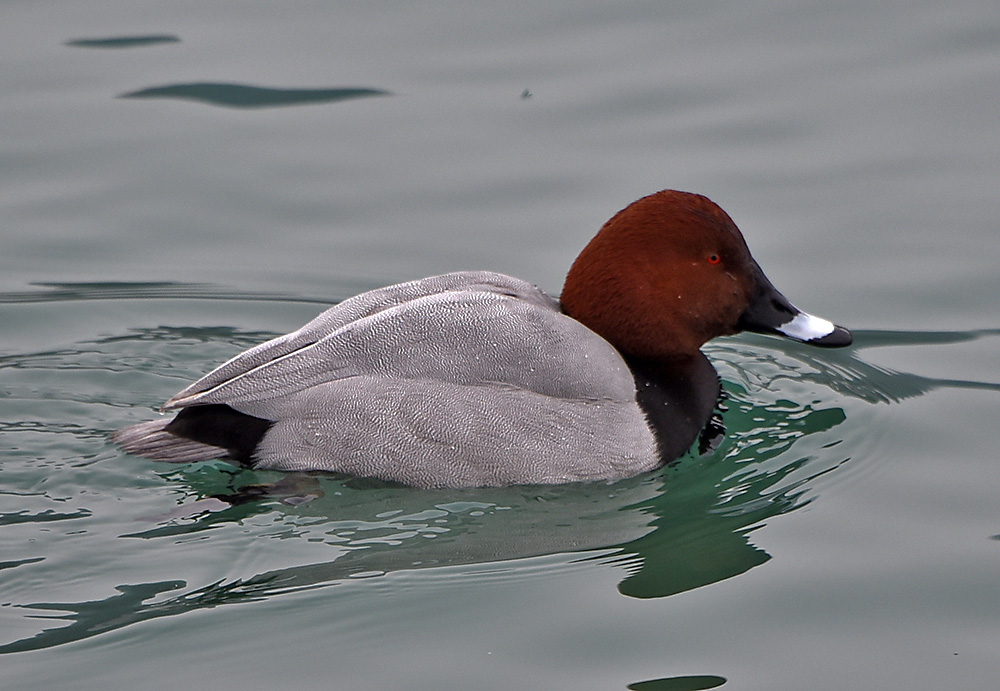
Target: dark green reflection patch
123	41
246	96
693	683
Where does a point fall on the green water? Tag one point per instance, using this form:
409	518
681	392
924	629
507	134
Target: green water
126	558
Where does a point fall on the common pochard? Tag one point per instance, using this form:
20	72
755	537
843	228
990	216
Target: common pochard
476	378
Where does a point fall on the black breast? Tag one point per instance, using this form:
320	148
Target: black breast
680	401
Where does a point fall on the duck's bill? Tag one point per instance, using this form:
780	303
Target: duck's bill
770	312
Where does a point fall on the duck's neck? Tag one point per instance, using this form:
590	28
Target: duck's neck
678	397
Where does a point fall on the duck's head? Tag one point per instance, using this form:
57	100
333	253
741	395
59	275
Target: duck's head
672	271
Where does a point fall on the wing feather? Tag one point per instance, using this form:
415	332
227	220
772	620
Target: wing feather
352	310
467	337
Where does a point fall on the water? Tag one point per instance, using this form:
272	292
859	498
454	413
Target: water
844	535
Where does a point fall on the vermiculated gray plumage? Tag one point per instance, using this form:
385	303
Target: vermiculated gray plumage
471	378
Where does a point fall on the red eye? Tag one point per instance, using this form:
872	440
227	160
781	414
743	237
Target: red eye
714	259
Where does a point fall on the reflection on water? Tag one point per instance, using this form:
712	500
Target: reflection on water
671	531
688	683
848	374
40	517
246	96
166	290
124	41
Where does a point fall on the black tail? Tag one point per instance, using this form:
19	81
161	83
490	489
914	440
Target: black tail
198	433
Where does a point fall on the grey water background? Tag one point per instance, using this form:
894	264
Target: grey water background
183	180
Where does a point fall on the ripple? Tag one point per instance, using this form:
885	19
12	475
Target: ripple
686	683
40	517
153	290
247	96
114	42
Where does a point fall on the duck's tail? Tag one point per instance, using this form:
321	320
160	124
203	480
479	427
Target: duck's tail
197	433
153	440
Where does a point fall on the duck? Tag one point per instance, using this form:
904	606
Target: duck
476	378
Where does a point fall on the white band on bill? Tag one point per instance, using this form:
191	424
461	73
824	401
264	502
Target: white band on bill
806	327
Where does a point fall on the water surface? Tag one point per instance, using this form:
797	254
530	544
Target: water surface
844	533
